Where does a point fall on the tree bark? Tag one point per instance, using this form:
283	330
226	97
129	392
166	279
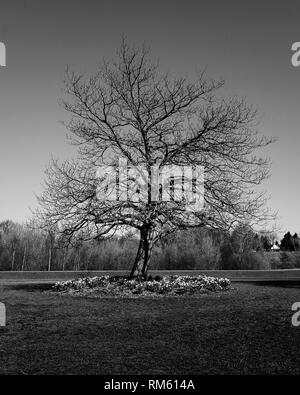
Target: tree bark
13	260
142	260
64	261
49	259
24	259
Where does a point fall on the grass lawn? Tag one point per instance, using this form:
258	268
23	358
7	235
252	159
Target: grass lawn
245	331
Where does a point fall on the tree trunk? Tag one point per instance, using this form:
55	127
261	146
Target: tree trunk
13	260
142	260
24	259
49	259
64	261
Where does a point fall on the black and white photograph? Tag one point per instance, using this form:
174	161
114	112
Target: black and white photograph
149	197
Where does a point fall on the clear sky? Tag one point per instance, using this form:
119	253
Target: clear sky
248	43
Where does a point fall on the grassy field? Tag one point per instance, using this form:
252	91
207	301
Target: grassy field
245	331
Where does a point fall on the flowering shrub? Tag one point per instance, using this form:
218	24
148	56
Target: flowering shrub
123	286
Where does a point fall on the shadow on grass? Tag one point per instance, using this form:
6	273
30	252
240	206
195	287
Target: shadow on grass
278	284
37	287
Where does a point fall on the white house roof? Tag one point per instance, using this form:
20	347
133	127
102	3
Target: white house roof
275	247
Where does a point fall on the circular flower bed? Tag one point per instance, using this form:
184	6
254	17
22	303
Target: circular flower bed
157	286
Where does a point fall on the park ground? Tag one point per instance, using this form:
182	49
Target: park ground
244	331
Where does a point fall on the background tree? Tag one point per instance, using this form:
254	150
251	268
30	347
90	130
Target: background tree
50	245
296	240
287	243
243	241
129	109
11	239
266	242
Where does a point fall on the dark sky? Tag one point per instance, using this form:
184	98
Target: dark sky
246	43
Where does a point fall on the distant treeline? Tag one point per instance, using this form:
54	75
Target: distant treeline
25	248
290	243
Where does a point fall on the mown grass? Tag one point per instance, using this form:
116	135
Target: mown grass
244	331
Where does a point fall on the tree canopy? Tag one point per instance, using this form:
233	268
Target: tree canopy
131	110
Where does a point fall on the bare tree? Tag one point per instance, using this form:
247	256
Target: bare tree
11	237
130	110
50	245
